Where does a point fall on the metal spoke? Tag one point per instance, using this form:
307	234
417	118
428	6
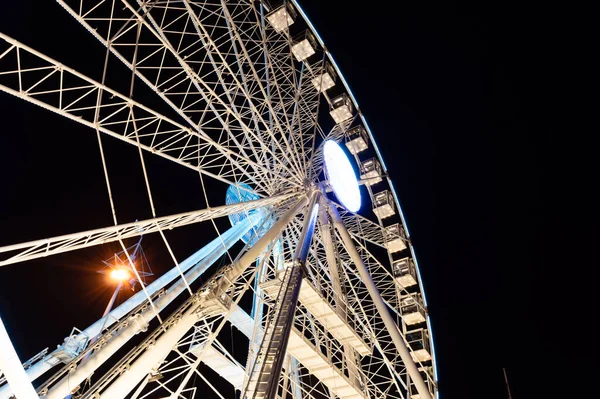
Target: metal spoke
71	242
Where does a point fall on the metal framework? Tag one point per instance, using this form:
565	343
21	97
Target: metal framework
326	303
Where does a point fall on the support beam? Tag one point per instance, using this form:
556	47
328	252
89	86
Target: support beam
264	381
322	311
224	242
238	267
220	244
71	242
83	371
301	350
76	92
381	306
125	383
332	264
11	366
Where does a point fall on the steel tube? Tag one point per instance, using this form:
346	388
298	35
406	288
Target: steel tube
11	366
238	267
285	316
381	306
239	230
332	264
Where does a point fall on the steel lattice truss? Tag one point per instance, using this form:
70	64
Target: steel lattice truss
239	106
71	242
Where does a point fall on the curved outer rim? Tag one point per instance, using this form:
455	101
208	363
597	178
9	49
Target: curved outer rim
365	124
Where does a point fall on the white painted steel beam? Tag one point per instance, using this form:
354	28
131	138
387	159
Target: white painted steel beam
307	354
70	242
322	311
49	361
11	366
199	88
77	97
232	372
382	308
319	366
138	324
340	299
125	383
268	364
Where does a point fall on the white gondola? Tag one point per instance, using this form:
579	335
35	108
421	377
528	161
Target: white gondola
371	171
383	204
325	80
281	17
418	341
304	46
341	108
412	309
405	272
427	375
395	239
357	139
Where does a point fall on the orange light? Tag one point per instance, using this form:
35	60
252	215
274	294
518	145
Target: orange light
119	275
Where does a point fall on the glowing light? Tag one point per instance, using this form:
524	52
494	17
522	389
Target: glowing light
341	176
242	192
119	275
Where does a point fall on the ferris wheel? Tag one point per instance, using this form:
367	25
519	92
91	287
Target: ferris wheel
321	284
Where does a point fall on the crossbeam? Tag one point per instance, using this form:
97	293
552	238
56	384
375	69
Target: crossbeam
170	65
41	80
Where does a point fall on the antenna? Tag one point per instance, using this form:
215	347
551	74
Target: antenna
506	380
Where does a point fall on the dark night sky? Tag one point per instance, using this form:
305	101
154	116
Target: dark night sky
476	109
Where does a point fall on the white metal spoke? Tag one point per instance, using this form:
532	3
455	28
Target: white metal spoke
70	242
78	97
162	67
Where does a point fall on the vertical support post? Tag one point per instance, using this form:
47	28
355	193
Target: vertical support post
278	331
380	305
332	264
12	368
295	378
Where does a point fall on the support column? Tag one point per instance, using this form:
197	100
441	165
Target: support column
228	238
381	306
270	358
84	370
12	368
257	310
332	264
121	387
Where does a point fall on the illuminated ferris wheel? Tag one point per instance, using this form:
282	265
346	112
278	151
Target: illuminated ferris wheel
321	284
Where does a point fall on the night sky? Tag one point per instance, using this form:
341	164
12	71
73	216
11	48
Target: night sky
477	112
